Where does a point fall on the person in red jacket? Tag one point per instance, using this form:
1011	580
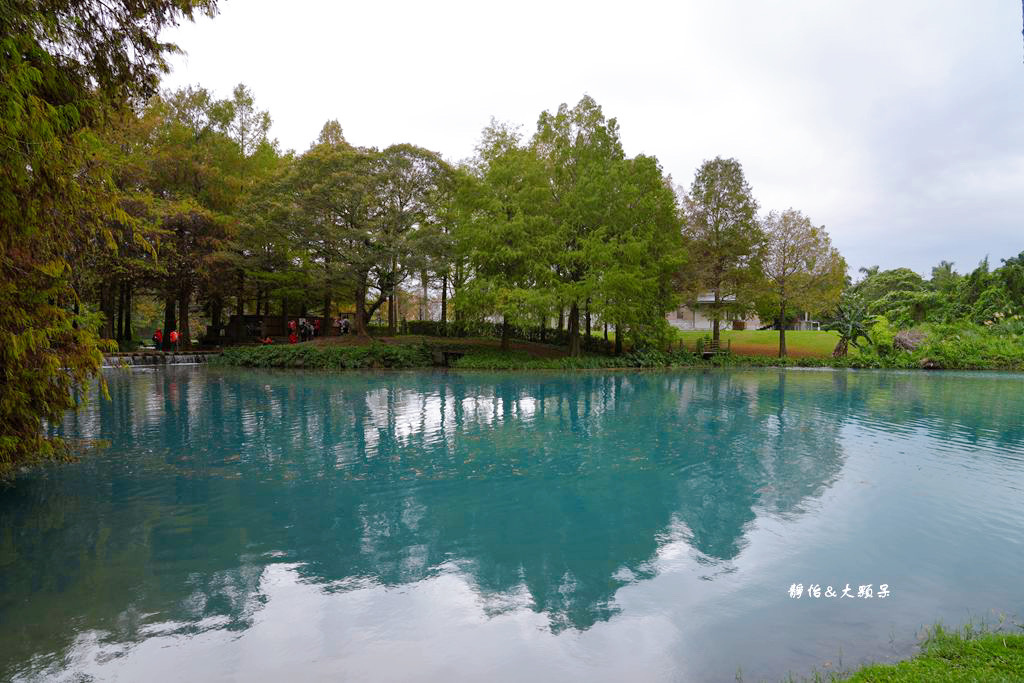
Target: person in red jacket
158	339
293	338
174	340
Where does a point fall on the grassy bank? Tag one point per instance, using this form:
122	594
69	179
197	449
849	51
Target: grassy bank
329	357
799	343
951	348
969	654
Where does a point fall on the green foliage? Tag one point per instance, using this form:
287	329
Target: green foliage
878	284
881	335
944	278
615	231
977	655
956	346
802	270
994	302
506	233
308	356
723	238
851	321
67	67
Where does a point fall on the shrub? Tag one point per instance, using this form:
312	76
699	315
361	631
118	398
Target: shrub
374	355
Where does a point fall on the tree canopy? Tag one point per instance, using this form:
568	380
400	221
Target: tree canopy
70	67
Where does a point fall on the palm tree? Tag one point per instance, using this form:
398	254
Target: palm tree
851	321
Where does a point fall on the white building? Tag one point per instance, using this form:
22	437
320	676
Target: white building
695	317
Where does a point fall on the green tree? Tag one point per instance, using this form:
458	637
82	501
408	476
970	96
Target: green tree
332	196
66	65
196	177
581	149
944	278
851	321
1011	273
802	270
410	181
506	232
635	256
723	239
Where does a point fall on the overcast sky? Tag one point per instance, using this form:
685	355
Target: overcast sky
897	125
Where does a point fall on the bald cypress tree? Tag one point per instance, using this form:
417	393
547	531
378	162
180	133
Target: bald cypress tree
67	66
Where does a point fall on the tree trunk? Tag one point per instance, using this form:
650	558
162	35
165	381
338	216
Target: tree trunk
129	335
606	331
240	300
715	324
361	317
184	334
574	329
325	320
284	315
120	311
444	305
170	321
392	315
424	310
586	339
108	308
216	315
457	281
543	327
561	319
840	350
504	333
782	330
618	339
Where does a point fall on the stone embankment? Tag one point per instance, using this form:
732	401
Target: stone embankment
156	358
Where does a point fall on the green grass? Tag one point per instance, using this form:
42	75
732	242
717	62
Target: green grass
964	655
959	348
808	343
373	355
976	654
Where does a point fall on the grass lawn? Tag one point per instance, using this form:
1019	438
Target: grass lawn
965	655
799	343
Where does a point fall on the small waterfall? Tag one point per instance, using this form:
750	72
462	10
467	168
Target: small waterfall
155	359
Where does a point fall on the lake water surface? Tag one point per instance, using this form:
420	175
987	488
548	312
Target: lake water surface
262	526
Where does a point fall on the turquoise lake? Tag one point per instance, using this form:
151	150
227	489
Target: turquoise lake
285	526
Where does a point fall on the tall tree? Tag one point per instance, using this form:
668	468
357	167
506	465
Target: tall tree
802	270
333	191
66	65
580	148
636	254
506	232
409	189
723	239
944	278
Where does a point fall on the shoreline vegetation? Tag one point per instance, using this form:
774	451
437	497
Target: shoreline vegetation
938	349
975	654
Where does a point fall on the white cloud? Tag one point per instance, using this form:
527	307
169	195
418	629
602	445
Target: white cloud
897	125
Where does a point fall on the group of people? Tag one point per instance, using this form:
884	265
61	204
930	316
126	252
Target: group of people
303	330
158	339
